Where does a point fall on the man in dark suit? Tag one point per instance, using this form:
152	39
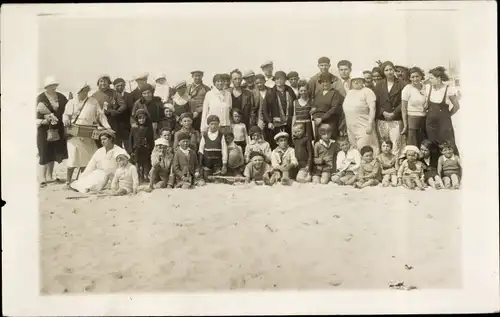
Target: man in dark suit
278	107
242	99
124	120
141	81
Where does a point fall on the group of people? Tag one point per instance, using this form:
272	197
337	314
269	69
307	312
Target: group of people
382	126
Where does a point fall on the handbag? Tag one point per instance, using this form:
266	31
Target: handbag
53	135
80	130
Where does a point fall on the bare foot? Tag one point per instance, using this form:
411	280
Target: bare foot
456	186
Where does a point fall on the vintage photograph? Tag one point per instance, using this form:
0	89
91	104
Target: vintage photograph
189	162
302	151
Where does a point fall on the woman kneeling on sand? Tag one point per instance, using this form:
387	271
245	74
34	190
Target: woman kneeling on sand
101	167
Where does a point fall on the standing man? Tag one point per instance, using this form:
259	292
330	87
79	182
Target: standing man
259	97
196	92
141	81
402	73
342	86
113	105
249	80
267	69
368	79
293	79
124	120
242	99
314	86
278	107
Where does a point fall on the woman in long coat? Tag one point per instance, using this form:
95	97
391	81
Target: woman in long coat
50	130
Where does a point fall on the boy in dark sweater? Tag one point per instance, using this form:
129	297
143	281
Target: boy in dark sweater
142	143
213	150
303	152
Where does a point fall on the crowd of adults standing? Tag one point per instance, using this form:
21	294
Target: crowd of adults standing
388	102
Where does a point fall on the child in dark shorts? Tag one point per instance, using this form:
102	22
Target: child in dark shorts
449	166
213	150
142	143
429	158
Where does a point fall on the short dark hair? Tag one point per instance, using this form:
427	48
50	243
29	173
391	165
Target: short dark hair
344	63
343	139
229	134
388	142
446	145
235	71
417	70
439	72
365	149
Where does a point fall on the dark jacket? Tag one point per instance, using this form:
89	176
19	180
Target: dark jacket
154	108
248	109
142	136
271	105
304	152
183	164
389	101
197	96
116	110
327	107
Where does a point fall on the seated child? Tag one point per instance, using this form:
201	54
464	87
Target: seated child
142	143
389	164
257	144
348	162
303	152
325	152
235	159
161	162
411	171
126	180
239	130
185	164
170	121
282	160
429	159
186	120
449	167
369	170
213	150
257	170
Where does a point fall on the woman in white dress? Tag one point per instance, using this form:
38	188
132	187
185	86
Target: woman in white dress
359	110
82	110
101	167
217	102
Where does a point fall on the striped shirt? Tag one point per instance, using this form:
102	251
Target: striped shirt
302	112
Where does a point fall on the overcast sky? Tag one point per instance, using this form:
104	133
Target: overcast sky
78	50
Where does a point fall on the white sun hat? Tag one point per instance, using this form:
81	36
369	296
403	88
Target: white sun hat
50	81
160	76
161	141
85	85
356	75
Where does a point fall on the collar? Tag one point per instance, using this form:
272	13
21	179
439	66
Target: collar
186	151
278	149
451	158
327	145
212	133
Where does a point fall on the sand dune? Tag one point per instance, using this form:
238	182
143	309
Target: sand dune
237	237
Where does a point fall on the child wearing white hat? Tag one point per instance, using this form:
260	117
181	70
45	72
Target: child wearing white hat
161	162
411	171
282	160
126	179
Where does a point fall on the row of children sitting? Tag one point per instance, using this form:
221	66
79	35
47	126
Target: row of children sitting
183	163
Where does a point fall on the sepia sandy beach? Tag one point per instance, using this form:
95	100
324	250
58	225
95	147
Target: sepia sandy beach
223	237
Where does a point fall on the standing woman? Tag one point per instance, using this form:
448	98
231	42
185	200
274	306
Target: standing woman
359	109
389	120
217	102
82	110
377	75
439	126
50	133
413	105
180	99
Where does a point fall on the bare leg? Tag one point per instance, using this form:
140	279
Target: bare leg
409	183
439	182
386	180
350	179
325	178
267	181
455	182
336	179
419	184
371	182
275	178
447	182
285	180
432	183
394	180
43	173
69	175
316	179
301	176
50	172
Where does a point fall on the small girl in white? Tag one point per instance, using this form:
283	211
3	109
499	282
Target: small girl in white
126	178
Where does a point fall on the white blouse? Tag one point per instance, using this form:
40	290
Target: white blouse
217	103
438	94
